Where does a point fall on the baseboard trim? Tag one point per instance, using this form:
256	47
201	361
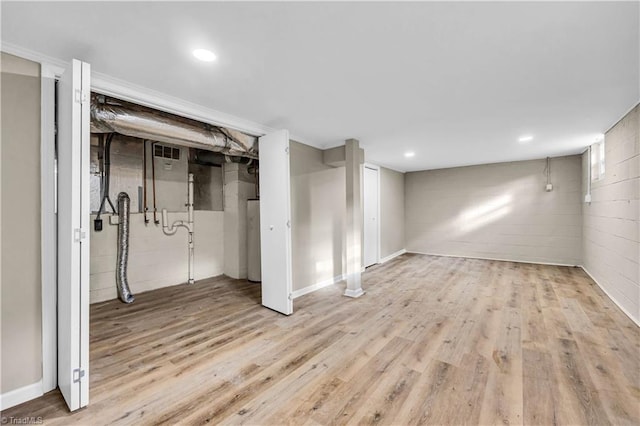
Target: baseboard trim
354	293
317	286
496	259
635	321
20	395
393	256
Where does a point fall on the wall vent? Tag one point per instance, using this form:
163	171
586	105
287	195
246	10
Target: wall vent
165	151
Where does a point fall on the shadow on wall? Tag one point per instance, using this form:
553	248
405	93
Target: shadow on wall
318	204
497	211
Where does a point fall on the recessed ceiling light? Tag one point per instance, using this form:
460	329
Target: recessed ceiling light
204	55
409	154
525	139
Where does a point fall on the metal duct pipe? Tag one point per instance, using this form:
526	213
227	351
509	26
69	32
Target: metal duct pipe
122	282
132	120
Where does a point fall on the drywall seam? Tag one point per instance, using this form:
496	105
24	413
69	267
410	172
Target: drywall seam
635	320
495	258
318	286
20	395
393	256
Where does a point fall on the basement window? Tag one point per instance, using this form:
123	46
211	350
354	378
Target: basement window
164	151
597	161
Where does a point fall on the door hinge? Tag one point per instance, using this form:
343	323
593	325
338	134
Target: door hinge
288	224
79	234
290	296
78	374
80	96
286	150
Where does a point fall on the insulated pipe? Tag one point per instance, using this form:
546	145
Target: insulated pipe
173	228
122	282
112	115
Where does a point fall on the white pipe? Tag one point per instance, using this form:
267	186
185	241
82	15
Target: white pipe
173	228
190	227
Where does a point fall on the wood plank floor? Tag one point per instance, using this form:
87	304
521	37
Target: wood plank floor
434	340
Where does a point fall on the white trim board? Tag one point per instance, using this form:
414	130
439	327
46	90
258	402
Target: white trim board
393	256
636	321
317	286
495	258
20	395
48	223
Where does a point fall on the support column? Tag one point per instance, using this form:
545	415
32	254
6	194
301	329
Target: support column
354	218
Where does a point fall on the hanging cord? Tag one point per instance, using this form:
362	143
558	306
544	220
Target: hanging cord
153	182
144	180
547	170
106	177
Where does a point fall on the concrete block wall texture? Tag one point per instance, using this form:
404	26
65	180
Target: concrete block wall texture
156	260
497	211
239	186
21	289
611	227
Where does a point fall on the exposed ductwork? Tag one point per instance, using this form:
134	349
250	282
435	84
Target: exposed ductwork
122	283
112	115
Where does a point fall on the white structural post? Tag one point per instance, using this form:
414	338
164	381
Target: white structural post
353	167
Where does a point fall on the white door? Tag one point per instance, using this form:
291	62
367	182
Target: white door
371	208
73	234
275	222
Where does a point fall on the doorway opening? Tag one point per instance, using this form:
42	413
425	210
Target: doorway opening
157	204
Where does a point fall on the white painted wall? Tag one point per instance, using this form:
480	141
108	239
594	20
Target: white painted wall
156	260
392	212
612	220
318	210
498	211
21	312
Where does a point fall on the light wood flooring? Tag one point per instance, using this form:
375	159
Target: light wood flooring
434	340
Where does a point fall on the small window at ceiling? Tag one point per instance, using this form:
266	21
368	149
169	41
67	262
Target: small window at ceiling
166	152
597	161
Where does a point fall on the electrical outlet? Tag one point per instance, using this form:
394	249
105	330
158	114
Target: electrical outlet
587	198
114	220
549	187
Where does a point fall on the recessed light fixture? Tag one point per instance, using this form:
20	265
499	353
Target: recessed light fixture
409	154
204	55
525	139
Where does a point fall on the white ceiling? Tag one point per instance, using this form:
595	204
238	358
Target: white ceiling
457	83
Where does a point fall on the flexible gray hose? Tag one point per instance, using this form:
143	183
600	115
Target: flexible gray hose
122	282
